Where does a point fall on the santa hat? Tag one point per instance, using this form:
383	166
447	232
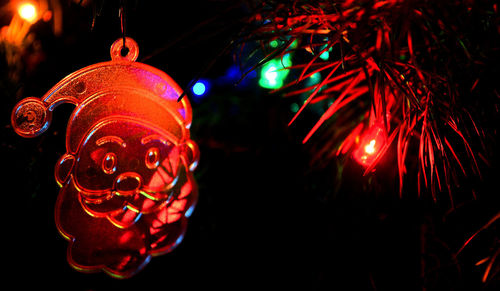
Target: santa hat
120	87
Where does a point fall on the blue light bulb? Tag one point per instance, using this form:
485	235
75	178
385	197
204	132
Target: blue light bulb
199	88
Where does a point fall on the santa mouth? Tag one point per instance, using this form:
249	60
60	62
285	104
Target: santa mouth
128	184
130	193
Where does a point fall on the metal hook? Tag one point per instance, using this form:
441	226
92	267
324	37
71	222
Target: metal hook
122	22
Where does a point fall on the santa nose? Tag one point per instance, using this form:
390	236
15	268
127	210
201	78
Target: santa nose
128	183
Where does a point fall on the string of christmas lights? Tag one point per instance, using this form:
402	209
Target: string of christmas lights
405	66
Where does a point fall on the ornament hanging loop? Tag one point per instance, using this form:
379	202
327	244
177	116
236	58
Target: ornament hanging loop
130	45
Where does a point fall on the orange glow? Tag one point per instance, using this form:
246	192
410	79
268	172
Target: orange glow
28	12
370	144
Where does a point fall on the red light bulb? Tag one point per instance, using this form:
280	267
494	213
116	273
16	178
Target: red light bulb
370	144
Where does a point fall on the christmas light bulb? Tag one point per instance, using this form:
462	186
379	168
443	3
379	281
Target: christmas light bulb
325	56
370	144
27	11
271	75
274	72
199	88
370	148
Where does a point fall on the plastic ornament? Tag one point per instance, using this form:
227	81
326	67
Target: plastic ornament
127	186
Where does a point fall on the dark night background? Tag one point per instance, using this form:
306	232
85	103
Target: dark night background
265	217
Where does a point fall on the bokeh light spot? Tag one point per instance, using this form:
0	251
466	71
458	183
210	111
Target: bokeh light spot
27	11
199	88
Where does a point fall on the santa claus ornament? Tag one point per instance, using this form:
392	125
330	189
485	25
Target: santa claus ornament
127	186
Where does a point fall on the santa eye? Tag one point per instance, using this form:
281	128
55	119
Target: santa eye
109	163
152	158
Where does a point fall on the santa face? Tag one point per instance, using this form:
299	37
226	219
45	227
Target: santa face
125	162
129	188
126	157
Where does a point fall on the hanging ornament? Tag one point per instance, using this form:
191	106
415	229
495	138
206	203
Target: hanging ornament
127	187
